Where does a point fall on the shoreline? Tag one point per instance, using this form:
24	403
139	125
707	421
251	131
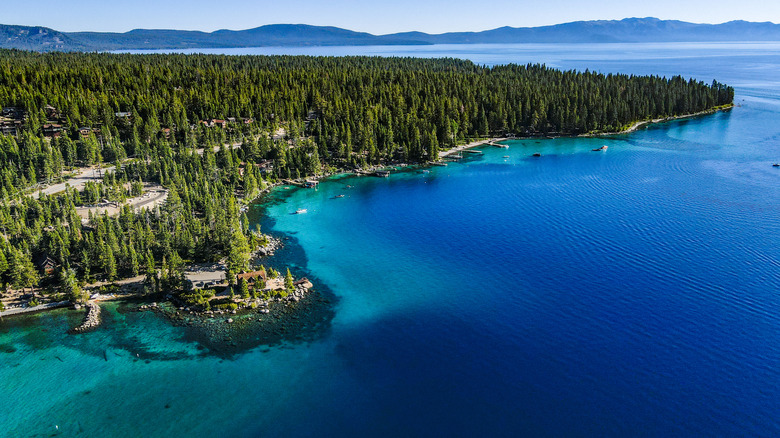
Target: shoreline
471	145
636	125
269	189
477	143
33	309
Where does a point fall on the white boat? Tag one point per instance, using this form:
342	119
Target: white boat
301	211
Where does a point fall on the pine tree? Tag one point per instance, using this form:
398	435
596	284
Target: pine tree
288	282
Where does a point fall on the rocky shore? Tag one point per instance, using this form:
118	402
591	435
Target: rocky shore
301	316
91	320
269	248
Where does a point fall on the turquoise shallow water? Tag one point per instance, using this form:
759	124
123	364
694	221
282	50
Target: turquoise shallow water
626	292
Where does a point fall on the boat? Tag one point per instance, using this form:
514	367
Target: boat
506	156
339	196
301	211
426	171
603	148
776	165
537	154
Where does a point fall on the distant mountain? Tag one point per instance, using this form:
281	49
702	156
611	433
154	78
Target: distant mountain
629	30
602	31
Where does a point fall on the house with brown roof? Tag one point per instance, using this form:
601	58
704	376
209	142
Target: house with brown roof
52	130
46	264
251	277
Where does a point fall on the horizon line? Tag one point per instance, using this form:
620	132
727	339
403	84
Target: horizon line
393	33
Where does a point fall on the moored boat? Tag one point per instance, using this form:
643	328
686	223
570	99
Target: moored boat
301	211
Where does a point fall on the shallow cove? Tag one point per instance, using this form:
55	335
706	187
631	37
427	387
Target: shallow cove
631	292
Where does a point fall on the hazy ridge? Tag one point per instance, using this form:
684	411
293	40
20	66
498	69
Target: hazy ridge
604	31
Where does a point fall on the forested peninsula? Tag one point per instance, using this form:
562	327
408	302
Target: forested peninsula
206	133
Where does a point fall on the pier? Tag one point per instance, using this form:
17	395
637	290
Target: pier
467	147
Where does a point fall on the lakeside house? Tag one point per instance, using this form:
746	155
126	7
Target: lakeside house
251	277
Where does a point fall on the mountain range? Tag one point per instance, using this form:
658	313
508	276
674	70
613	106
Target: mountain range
628	30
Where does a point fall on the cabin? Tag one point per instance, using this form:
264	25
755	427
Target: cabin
218	122
46	264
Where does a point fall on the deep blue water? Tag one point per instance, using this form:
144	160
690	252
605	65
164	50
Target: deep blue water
632	292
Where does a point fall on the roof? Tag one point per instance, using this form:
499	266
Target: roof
45	262
253	274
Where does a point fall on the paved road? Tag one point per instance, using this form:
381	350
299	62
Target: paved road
93	174
18	310
199	151
77	181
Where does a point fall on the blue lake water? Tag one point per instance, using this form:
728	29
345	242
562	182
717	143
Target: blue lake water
621	293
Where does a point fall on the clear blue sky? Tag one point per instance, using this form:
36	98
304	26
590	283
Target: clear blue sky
378	17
